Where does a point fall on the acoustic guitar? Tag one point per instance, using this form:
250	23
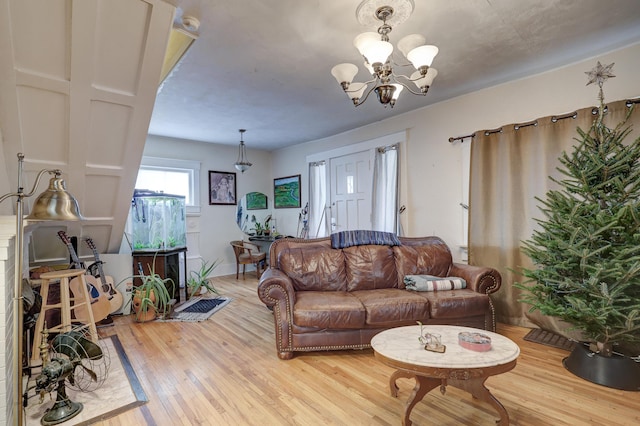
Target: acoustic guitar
115	297
99	305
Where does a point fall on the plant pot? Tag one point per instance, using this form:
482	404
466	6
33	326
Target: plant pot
616	371
146	313
146	316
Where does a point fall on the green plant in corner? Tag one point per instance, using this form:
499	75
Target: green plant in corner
151	298
199	280
587	250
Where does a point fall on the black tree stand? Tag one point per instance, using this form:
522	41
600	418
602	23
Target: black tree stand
616	371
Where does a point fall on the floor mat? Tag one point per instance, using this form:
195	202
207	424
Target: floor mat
538	335
199	308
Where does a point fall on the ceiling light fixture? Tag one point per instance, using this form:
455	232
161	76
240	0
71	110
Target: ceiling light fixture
377	53
243	163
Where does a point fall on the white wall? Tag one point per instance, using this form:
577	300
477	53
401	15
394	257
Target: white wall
216	223
433	190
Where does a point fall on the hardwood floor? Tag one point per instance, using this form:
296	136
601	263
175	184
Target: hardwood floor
224	371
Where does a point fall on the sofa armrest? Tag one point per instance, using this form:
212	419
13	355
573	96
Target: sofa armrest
275	286
275	289
479	278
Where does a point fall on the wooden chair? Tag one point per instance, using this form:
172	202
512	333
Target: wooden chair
247	254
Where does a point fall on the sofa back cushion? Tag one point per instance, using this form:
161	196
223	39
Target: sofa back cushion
370	267
313	267
422	256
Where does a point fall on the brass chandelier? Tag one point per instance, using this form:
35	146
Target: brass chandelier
377	53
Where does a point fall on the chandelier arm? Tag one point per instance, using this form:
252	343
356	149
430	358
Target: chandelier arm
366	83
395	78
367	95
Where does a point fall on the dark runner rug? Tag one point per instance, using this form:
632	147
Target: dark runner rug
538	335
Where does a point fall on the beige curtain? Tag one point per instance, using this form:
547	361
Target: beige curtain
509	169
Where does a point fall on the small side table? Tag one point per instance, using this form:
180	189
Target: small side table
459	367
167	265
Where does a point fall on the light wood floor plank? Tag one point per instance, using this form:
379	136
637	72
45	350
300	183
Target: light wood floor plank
225	371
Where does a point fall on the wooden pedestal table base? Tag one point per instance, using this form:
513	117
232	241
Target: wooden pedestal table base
457	367
471	381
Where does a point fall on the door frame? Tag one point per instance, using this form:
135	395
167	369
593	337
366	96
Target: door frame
368	145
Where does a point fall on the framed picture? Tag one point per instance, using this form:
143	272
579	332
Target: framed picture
286	192
256	201
222	188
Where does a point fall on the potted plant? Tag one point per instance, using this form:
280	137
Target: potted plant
198	282
587	251
257	225
151	298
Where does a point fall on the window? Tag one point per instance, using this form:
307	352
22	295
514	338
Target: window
178	177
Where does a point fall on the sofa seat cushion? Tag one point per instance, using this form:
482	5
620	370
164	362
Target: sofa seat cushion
456	303
328	310
392	306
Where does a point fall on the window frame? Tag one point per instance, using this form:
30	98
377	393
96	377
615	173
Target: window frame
192	168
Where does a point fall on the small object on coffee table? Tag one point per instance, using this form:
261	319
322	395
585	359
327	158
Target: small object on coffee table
474	341
432	341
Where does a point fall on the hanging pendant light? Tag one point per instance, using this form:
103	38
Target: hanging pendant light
243	163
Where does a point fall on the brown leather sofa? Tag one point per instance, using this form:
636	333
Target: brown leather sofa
333	299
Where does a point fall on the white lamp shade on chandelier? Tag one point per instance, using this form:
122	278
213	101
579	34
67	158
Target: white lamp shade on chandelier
377	52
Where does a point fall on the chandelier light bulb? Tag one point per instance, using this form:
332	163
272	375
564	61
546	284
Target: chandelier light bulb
396	93
369	68
422	55
363	39
344	73
377	52
356	90
423	82
410	42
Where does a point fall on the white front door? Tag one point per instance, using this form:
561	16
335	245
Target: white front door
351	182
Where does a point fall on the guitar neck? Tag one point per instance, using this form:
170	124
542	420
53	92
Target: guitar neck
96	256
75	262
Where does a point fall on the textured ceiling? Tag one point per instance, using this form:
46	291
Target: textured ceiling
265	66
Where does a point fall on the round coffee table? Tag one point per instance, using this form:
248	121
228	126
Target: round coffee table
459	367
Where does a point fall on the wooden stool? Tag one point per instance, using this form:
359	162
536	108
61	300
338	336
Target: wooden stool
81	303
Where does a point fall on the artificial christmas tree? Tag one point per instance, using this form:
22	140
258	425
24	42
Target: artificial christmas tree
587	249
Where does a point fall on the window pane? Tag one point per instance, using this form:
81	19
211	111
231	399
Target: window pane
169	181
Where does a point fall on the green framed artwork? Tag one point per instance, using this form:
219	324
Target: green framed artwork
286	192
256	201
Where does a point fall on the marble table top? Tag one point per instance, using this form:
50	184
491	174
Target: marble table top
401	344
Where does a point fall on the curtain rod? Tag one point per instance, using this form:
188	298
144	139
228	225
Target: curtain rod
527	124
554	119
383	149
630	102
462	138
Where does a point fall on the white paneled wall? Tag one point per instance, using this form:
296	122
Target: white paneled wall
7	270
